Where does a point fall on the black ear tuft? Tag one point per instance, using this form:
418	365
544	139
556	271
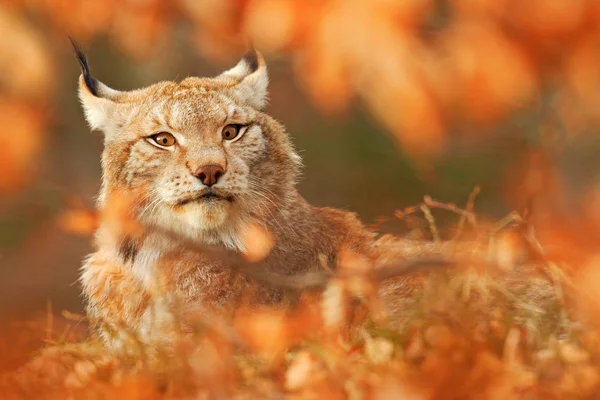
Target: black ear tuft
90	81
251	58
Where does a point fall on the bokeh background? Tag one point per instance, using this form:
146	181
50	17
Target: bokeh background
387	101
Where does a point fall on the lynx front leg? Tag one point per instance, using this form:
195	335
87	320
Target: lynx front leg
126	315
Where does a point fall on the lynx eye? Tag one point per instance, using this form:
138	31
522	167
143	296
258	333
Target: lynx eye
231	131
164	139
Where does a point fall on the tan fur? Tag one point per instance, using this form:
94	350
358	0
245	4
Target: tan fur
128	279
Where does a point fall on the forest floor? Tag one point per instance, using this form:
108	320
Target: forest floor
520	328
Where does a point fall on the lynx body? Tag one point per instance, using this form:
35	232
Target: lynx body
202	160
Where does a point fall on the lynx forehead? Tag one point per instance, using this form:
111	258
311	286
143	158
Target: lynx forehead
200	155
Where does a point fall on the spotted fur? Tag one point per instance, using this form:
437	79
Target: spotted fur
127	277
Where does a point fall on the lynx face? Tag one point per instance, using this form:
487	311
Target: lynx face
199	155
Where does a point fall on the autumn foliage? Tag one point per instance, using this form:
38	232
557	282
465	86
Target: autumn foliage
431	73
423	68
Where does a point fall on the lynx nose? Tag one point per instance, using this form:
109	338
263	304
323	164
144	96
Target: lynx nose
209	174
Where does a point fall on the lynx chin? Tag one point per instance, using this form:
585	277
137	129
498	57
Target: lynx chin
202	159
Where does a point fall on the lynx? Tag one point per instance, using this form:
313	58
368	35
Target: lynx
203	160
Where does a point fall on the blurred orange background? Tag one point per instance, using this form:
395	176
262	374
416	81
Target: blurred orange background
386	101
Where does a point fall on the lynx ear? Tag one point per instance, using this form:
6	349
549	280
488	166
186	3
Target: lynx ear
98	100
250	79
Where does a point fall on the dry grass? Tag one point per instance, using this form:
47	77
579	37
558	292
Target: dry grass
510	325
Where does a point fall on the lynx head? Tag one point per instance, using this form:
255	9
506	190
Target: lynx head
200	155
